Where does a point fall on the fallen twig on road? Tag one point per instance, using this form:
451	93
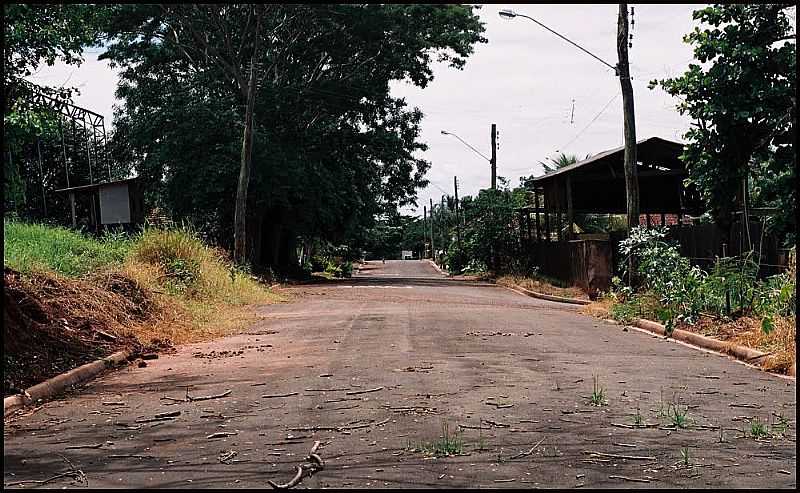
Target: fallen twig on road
616	456
73	472
625	478
529	452
315	463
160	417
271	396
206	397
354	392
221	434
74	447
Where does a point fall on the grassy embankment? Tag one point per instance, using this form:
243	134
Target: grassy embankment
178	289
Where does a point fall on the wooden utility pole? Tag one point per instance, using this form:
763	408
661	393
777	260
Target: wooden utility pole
494	156
623	71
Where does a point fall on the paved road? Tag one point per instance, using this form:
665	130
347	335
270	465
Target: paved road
515	371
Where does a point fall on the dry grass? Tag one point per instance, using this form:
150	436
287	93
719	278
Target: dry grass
542	286
780	343
600	308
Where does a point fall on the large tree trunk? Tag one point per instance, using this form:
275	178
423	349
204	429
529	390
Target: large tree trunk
240	217
631	175
240	255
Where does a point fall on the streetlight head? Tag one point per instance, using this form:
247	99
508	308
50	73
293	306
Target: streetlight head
445	133
507	14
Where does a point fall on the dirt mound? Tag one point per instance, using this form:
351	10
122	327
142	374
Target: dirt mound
53	324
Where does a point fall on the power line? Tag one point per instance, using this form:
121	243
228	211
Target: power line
590	123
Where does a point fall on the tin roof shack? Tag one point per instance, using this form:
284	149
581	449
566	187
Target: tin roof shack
116	203
597	186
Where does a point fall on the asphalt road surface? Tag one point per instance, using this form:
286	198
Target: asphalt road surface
375	367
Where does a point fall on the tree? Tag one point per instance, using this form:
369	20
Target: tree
332	148
741	96
561	161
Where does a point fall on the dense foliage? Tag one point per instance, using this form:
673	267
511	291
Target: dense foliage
332	148
741	94
683	292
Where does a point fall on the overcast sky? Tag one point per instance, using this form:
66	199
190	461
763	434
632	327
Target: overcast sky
525	79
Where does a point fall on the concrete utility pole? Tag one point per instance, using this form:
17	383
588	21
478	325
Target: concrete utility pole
424	232
458	221
433	250
623	70
494	156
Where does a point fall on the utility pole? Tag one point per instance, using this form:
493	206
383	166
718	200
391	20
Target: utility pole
433	250
623	70
424	233
494	156
458	221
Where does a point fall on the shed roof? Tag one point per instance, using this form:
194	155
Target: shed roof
86	188
653	149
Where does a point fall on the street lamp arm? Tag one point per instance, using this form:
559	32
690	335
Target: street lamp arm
466	144
570	42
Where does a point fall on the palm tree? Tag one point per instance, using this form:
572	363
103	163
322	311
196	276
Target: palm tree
560	162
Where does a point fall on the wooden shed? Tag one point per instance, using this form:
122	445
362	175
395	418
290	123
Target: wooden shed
116	203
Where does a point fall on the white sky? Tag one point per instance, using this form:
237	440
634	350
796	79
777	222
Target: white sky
524	79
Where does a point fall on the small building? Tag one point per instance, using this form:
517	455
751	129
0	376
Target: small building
117	203
597	186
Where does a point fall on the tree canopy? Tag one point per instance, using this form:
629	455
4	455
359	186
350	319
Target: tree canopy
741	96
332	147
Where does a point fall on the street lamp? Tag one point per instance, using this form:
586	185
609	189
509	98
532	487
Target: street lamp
510	14
476	151
622	71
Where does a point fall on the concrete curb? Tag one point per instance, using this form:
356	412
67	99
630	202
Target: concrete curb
59	383
743	353
440	271
549	297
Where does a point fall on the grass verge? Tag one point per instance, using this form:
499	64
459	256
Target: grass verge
541	285
70	298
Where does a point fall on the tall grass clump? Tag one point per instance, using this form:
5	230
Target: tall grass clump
201	279
39	247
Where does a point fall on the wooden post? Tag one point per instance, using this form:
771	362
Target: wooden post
72	207
494	156
536	204
547	222
433	249
570	217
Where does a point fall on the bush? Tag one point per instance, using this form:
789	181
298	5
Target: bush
683	291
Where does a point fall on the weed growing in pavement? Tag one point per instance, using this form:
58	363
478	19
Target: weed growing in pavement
598	397
638	420
679	416
447	444
758	429
685	459
779	428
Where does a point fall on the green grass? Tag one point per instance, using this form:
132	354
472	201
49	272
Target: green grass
448	444
37	247
598	397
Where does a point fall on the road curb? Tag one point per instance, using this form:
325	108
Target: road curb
743	353
54	386
549	297
442	272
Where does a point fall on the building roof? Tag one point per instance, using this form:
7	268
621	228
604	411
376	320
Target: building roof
86	188
663	151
